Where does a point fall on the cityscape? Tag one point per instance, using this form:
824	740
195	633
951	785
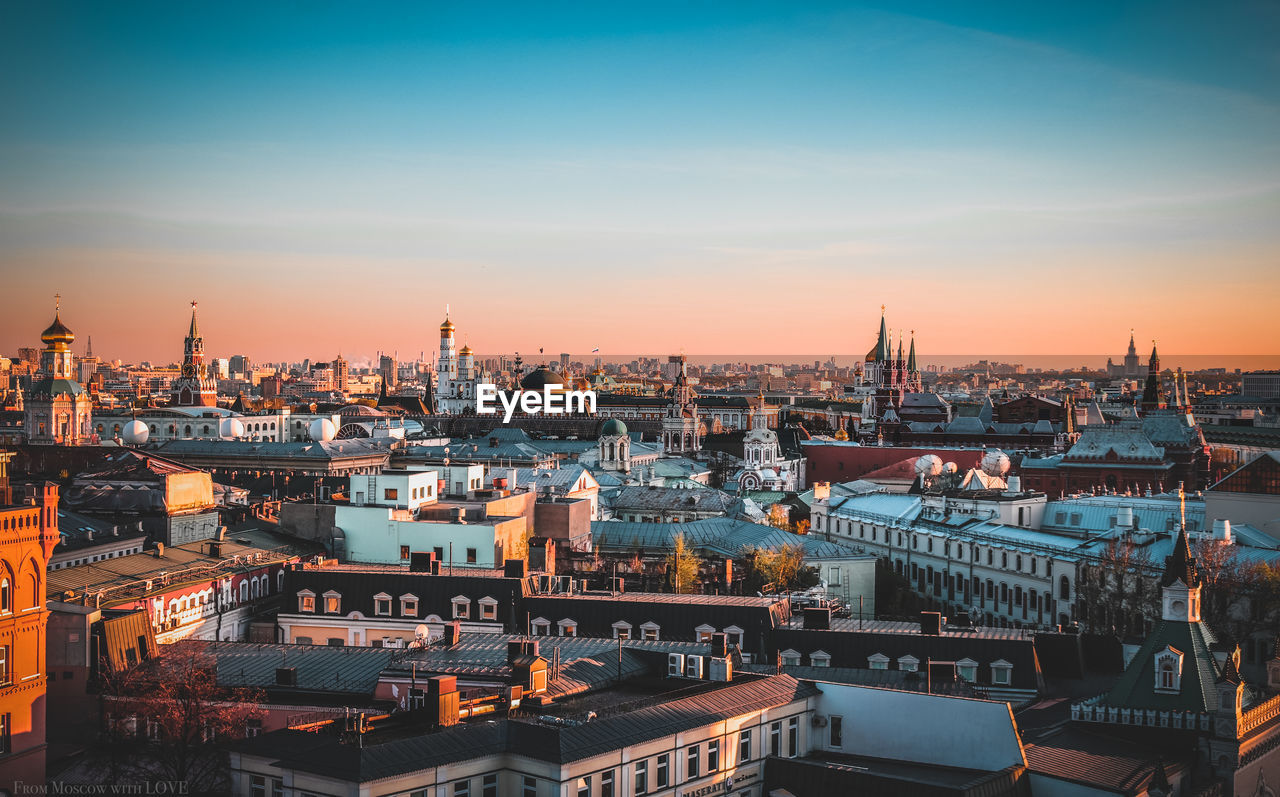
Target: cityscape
407	401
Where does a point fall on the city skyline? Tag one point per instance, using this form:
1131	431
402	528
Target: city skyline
725	178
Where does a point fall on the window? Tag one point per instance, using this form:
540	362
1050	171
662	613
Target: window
5	722
775	739
649	631
967	669
244	591
461	607
409	605
1169	670
908	664
790	658
793	737
568	627
488	608
489	787
4	665
252	727
260	786
642	777
404	551
332	603
584	786
382	604
390	494
703	632
471	556
1064	588
878	661
1001	673
606	784
337	642
302	640
820	658
530	786
462	789
713	755
661	772
835	732
541	626
621	630
692	759
6	596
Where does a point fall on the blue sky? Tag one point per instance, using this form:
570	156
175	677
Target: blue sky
1064	170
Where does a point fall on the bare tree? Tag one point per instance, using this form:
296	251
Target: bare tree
167	719
1119	591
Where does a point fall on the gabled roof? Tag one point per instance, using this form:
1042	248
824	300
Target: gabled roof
1136	687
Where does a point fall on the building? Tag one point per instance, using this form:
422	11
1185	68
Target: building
57	408
1260	385
1179	686
1250	494
28	534
195	387
457	374
1130	368
682	431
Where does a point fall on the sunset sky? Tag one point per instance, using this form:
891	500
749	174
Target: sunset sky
719	177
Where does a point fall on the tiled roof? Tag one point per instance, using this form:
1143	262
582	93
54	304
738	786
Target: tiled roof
1107	762
319	667
1136	687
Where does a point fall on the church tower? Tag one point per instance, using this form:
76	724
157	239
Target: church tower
447	367
680	427
58	411
1153	393
195	388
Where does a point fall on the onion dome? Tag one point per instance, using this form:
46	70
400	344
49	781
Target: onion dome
540	376
466	351
447	326
57	333
613	426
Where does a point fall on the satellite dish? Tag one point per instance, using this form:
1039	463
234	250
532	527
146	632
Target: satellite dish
230	429
422	632
322	430
135	433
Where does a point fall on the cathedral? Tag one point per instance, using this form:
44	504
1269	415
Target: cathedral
764	466
457	374
59	410
195	388
887	379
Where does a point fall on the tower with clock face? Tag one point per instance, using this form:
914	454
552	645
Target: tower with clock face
195	388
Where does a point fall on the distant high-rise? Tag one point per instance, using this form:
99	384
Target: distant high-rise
340	374
387	368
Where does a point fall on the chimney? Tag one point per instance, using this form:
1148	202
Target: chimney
1015	484
931	623
514	568
499	484
1222	531
515	649
821	491
443	700
459	514
420	561
818	618
1124	517
159	550
531	647
452	633
287	676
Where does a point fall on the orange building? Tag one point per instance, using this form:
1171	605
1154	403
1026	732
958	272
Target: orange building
28	532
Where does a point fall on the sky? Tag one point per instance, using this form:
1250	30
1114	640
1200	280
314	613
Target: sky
1026	178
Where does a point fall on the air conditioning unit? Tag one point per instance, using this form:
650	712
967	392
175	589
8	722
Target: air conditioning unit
675	665
693	666
720	669
819	721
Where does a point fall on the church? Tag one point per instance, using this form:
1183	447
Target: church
887	379
59	410
457	374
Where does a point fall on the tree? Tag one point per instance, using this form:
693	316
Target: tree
169	720
682	567
783	568
1119	592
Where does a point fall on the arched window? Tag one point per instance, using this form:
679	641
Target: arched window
34	582
244	590
1166	674
187	430
1064	588
6	596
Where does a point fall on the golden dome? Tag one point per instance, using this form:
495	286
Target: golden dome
466	351
842	435
57	333
447	326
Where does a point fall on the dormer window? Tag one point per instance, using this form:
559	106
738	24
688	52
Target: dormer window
568	627
1169	670
820	658
703	632
332	602
382	604
967	669
649	631
878	661
790	658
622	630
306	601
409	605
488	608
1001	673
541	626
461	607
908	664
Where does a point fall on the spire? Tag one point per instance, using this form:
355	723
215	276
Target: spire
911	358
194	332
88	350
1181	565
1133	349
882	342
900	358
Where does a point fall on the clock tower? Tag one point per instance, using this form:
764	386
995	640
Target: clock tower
195	388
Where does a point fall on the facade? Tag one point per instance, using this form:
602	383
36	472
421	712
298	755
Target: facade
682	431
57	411
1260	384
28	533
764	466
195	388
